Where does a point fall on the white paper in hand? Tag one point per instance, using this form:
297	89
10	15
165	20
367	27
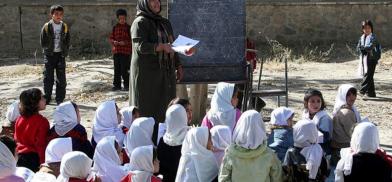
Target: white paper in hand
183	44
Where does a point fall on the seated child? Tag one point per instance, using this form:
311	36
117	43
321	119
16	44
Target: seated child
315	111
31	130
223	107
305	161
8	127
8	160
281	137
360	162
221	139
145	163
249	158
197	162
106	123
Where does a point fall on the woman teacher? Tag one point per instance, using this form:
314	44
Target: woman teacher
155	67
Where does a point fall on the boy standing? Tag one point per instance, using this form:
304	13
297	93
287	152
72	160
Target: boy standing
120	39
55	41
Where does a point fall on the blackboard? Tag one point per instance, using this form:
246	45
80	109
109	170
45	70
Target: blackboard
220	27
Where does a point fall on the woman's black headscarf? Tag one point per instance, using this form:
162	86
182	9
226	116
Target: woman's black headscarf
163	31
143	10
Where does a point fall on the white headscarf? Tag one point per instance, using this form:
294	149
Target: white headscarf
43	177
364	139
250	130
142	163
316	117
13	111
127	116
106	123
222	112
7	161
279	116
24	173
176	125
74	165
221	139
341	100
140	134
107	163
57	148
362	67
305	136
64	118
197	163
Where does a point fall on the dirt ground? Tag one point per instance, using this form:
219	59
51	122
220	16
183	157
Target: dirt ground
89	84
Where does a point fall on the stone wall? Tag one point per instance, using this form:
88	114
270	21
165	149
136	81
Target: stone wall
290	22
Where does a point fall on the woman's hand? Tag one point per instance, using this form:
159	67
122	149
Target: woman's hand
180	74
190	52
165	48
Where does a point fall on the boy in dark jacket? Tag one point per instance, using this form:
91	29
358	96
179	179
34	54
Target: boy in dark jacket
55	41
120	39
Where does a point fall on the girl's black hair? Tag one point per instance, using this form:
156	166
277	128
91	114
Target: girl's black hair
9	142
29	102
154	154
367	23
313	92
235	91
135	110
75	105
352	91
56	8
121	12
183	102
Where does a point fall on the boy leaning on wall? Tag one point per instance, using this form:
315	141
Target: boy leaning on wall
55	41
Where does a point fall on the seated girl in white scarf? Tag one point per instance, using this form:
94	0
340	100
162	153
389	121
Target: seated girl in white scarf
66	123
281	137
169	146
144	164
249	158
7	160
106	123
8	128
197	163
76	167
361	162
305	161
223	107
221	139
128	115
108	159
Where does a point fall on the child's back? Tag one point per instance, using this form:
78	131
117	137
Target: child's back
280	140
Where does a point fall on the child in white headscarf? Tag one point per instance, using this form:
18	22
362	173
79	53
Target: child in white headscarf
221	139
197	163
144	164
249	158
281	137
7	160
128	115
314	110
106	123
107	160
305	161
66	123
345	116
54	152
76	167
169	147
223	107
12	114
140	134
360	162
